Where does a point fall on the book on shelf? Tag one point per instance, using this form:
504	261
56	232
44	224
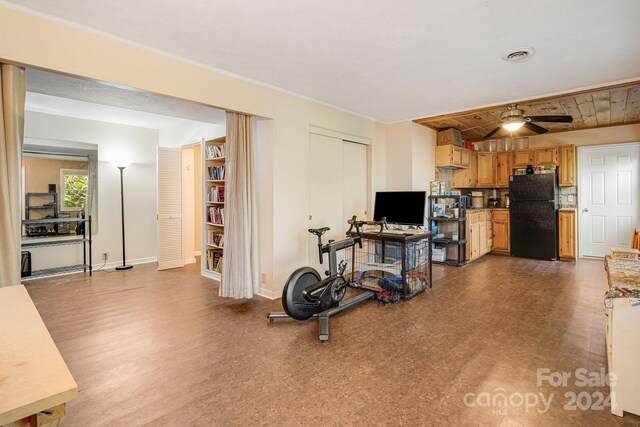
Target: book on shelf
215	215
215	194
214	261
216	173
214	151
215	238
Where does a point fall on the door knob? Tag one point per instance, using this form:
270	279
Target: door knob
585	210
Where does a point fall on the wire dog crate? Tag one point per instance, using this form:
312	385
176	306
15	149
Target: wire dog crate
391	262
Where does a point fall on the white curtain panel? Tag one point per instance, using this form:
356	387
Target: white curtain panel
240	260
12	84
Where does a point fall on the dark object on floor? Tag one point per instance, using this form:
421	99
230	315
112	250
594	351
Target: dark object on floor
391	284
26	264
386	297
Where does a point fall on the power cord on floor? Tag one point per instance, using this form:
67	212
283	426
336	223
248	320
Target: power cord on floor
101	268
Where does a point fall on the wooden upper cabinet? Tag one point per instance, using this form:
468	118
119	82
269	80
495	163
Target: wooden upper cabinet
541	156
466	178
450	156
522	158
465	157
486	170
567	235
567	167
503	169
546	156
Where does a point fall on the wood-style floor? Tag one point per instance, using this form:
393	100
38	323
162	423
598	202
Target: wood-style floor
161	348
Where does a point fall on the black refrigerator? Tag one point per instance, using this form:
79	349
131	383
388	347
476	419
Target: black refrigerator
534	216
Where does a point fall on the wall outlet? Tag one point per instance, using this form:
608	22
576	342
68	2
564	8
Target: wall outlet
105	256
571	198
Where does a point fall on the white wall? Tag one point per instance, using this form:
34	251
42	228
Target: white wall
399	164
139	187
422	157
410	156
263	143
30	40
606	135
188	132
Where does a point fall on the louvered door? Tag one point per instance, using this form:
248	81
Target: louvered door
169	208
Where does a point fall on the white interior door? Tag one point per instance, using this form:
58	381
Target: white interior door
608	197
170	250
337	188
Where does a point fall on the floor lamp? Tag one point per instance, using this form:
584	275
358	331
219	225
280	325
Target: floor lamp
121	163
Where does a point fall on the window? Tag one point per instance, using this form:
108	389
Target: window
74	185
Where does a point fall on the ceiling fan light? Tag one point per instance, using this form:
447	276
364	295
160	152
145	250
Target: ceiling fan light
512	126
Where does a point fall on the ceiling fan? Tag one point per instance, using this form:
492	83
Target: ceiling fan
515	118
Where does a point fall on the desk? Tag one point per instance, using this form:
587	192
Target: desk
33	376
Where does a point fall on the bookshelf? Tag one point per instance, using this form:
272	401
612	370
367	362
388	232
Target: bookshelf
213	191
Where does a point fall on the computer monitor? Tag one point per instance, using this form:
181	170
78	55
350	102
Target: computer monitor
400	207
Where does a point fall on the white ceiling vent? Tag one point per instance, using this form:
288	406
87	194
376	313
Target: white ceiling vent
519	54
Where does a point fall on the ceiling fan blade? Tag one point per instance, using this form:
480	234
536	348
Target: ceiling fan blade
551	119
535	128
493	132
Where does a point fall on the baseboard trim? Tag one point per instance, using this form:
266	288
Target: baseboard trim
190	261
269	294
110	265
199	253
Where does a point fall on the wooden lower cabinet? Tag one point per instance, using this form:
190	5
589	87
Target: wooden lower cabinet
473	241
567	235
479	234
501	234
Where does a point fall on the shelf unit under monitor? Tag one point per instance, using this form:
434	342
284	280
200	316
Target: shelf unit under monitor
213	193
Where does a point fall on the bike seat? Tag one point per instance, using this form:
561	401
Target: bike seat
319	231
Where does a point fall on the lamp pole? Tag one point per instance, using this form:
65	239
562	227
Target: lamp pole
124	265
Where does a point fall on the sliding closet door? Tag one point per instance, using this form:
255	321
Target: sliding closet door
170	251
337	188
354	198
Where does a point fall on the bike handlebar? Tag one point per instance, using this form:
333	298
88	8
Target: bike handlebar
353	222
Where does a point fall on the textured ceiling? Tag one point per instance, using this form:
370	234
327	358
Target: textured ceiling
83	98
390	61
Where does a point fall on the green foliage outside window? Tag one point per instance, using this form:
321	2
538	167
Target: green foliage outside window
75	190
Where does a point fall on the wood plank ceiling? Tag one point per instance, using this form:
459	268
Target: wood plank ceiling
608	106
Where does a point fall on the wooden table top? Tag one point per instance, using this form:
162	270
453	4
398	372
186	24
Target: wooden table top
408	235
33	376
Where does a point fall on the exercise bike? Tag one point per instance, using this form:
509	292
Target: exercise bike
306	294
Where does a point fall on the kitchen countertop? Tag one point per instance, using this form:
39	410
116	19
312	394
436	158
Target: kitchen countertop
568	209
487	209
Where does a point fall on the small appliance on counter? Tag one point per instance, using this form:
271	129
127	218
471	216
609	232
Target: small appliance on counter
506	200
477	200
494	202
